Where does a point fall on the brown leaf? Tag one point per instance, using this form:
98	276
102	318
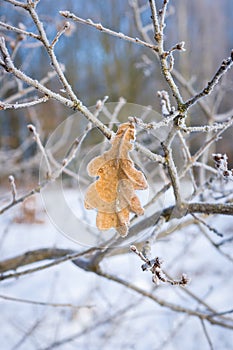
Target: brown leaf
113	193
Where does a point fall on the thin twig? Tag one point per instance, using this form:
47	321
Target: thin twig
206	334
75	105
224	241
221	313
19	31
4	105
65	27
210	228
150	155
18	95
155	20
103	29
36	135
41	303
17	3
218	248
226	64
206	128
153	125
162	14
58	261
13	188
9	67
154	265
159	37
51	54
164	303
172	167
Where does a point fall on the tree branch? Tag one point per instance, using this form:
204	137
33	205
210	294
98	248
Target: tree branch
158	35
226	64
173	212
164	303
103	29
41	303
4	105
19	31
39	255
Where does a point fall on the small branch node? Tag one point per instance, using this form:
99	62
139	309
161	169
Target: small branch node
158	275
221	163
165	103
100	103
13	188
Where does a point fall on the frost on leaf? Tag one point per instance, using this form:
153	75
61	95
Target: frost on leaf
113	193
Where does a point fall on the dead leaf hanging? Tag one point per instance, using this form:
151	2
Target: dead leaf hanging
113	193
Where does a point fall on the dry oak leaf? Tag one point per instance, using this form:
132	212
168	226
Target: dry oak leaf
113	193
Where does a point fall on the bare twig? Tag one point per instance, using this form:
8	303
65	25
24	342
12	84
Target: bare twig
13	188
164	303
226	64
75	105
87	330
4	105
150	155
31	257
17	3
103	29
210	228
22	198
158	274
206	128
174	213
51	53
159	37
207	335
9	67
41	303
221	162
65	257
65	27
171	166
224	241
221	313
19	31
100	106
215	245
153	125
165	103
23	92
32	129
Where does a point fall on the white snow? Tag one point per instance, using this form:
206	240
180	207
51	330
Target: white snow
118	318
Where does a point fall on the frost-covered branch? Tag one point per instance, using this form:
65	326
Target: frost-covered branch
206	128
4	105
173	212
8	65
41	303
19	30
202	315
65	27
159	38
225	66
103	29
57	255
158	275
13	188
36	137
221	162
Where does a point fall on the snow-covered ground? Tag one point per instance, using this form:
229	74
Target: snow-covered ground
112	316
